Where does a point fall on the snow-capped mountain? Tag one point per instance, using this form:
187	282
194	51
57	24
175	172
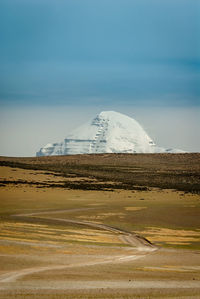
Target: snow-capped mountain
108	132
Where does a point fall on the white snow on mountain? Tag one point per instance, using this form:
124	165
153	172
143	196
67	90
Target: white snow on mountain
108	132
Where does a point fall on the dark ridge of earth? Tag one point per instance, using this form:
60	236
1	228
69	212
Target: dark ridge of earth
166	171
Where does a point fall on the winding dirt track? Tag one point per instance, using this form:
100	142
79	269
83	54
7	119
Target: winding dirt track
134	240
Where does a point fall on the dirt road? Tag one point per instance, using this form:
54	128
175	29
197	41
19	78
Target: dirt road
137	242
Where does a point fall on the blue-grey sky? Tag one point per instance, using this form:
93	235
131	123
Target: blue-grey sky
92	55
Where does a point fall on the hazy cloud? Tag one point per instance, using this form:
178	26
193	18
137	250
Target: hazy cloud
91	55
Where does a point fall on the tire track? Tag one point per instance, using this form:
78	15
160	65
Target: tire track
134	240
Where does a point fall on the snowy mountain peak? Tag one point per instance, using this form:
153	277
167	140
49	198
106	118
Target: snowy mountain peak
108	132
114	116
111	115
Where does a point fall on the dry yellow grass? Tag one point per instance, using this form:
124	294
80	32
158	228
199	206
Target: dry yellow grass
29	232
9	173
100	216
134	208
17	174
28	242
172	236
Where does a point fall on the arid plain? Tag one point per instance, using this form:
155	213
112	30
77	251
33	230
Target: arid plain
100	226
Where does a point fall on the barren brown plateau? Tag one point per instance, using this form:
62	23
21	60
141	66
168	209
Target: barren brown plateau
100	226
